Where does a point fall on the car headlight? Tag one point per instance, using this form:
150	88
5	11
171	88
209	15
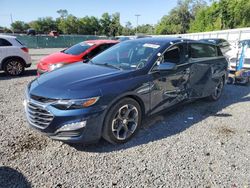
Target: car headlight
56	66
75	103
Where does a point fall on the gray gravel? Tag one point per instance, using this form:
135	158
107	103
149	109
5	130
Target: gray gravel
200	144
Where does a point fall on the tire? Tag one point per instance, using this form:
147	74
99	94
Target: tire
217	91
13	67
122	121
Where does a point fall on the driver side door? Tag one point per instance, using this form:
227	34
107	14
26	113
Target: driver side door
170	87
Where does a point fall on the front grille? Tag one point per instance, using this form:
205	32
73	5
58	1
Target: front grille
42	99
38	115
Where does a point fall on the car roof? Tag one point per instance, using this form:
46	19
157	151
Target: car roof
162	39
101	41
7	37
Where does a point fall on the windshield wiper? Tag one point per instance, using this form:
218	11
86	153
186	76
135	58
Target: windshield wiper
107	65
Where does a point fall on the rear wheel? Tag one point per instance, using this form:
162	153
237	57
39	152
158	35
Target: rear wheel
217	91
13	67
122	121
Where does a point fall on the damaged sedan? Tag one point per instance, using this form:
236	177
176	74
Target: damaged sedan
109	96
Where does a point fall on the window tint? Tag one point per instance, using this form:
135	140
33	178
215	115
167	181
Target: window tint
202	50
99	49
77	49
4	42
174	54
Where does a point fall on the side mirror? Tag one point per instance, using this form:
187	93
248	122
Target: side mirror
166	66
85	58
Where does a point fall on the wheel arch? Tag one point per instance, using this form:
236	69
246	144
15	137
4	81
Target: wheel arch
11	57
132	96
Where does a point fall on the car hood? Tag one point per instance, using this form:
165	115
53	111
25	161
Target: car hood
58	57
75	79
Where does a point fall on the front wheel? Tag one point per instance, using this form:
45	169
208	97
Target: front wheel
217	91
122	121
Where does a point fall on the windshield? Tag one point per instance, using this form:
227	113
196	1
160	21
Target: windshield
77	49
127	55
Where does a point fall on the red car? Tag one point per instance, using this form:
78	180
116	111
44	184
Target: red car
79	52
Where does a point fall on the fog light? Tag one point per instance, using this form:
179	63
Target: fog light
72	126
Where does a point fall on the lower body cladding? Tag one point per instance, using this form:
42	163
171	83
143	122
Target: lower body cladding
72	126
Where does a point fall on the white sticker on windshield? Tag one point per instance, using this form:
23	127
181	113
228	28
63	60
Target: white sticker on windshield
155	46
90	44
85	43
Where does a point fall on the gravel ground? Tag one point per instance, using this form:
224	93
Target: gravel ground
200	144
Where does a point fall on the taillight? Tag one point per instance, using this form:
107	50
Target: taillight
25	49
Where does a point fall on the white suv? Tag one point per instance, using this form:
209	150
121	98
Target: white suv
14	56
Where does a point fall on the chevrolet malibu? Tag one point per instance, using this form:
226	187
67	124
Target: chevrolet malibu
109	96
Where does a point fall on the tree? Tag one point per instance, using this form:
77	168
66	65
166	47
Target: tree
69	25
128	29
63	13
44	25
105	22
19	26
146	29
180	17
115	26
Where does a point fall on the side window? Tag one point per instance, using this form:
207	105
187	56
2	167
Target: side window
174	54
95	51
4	42
202	50
99	49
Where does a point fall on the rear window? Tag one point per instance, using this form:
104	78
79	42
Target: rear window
78	48
4	42
202	50
20	42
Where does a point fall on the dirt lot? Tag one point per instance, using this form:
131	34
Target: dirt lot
198	145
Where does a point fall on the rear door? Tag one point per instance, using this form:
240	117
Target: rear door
205	69
4	48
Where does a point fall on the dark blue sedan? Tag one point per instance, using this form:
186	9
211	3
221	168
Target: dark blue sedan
109	96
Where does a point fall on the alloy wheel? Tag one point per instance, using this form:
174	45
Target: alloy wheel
14	67
125	122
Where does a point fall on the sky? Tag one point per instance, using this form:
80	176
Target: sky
151	11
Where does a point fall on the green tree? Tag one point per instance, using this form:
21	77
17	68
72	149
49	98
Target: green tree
63	13
44	25
105	22
128	29
19	26
115	26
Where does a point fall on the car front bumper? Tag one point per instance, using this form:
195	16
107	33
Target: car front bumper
83	125
41	71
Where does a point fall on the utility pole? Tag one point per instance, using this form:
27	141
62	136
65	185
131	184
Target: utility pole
11	20
137	19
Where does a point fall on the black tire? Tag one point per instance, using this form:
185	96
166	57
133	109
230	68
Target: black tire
13	67
217	91
117	123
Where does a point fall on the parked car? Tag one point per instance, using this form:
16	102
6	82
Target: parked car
109	96
31	32
14	55
53	34
237	54
79	52
222	43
